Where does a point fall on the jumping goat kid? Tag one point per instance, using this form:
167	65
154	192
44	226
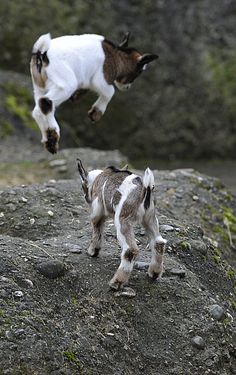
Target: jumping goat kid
129	199
68	66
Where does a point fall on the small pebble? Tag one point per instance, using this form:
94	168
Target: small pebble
1	214
166	228
125	292
18	294
195	198
198	342
50	213
32	221
142	266
29	283
217	312
24	199
178	272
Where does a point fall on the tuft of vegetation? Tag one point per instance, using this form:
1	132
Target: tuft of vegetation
72	357
19	103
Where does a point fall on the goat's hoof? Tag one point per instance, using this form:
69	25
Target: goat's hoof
52	141
154	273
115	284
94	114
93	252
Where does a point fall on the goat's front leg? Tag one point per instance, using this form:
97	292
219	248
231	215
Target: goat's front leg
105	92
97	221
157	244
129	253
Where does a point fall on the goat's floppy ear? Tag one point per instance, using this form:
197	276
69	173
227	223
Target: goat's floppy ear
146	59
125	40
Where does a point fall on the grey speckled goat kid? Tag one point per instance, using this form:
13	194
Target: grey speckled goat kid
129	199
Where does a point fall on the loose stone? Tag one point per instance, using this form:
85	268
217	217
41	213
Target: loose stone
51	269
198	342
217	312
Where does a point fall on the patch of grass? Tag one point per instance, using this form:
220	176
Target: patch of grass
2	313
72	357
185	245
231	273
216	259
74	301
19	103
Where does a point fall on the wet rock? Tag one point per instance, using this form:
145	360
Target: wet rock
51	269
198	342
217	312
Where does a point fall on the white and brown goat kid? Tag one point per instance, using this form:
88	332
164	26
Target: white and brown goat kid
68	66
129	199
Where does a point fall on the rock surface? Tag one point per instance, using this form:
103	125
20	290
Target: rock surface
74	324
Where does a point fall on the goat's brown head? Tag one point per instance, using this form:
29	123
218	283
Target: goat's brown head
134	64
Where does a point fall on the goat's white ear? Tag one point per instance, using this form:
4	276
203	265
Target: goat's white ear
125	40
146	59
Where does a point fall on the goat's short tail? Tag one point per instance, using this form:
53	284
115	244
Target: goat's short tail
40	59
148	183
42	44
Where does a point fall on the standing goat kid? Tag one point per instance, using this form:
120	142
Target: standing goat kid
66	67
128	198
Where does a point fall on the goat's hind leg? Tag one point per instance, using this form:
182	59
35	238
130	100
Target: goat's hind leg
97	221
47	105
125	235
157	244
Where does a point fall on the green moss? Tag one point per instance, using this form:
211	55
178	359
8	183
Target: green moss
72	357
216	259
185	245
19	103
2	313
74	301
231	274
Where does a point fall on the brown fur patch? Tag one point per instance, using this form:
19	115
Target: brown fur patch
130	254
110	66
38	78
120	63
52	141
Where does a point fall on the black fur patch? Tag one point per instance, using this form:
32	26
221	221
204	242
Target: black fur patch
147	198
40	58
45	105
116	170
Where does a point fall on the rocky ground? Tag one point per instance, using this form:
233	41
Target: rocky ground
57	314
